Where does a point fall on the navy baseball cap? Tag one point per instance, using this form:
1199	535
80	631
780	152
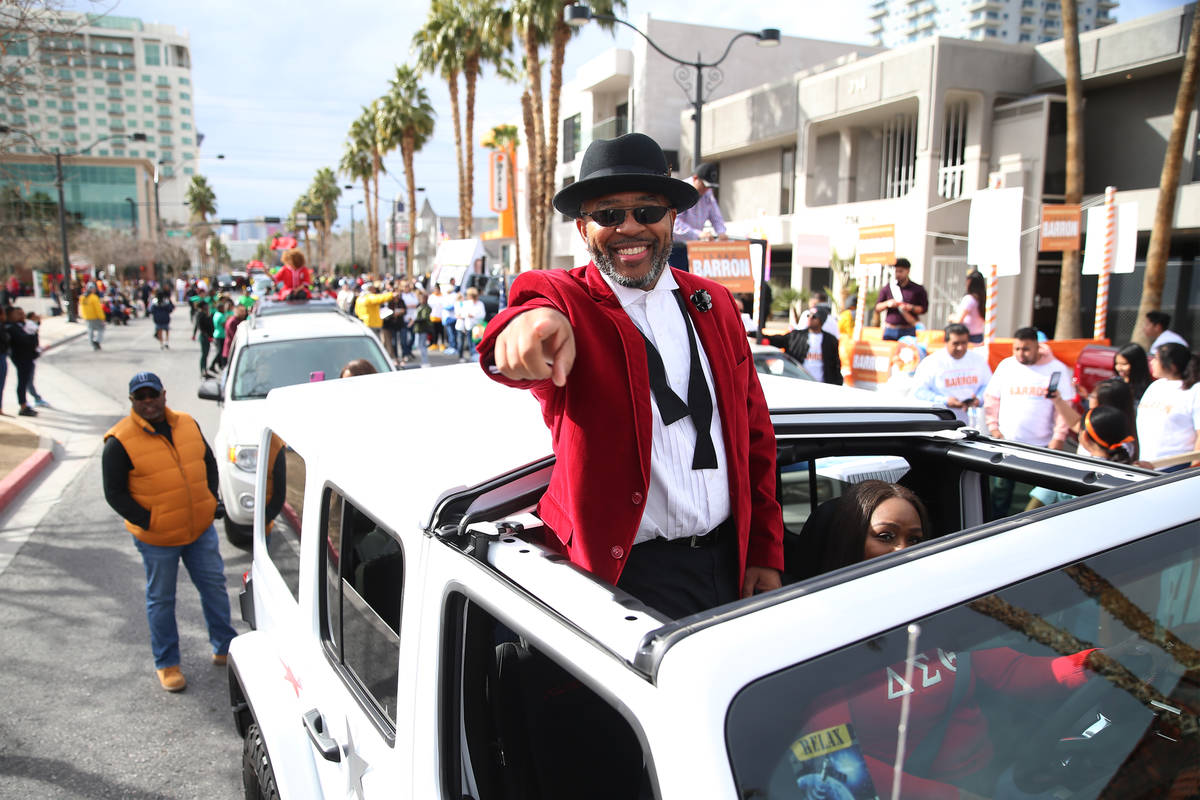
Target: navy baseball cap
143	380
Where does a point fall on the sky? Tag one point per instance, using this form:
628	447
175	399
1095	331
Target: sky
277	83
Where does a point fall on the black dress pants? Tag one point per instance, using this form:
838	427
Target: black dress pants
679	580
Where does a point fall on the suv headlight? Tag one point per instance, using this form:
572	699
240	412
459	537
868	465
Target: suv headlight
244	457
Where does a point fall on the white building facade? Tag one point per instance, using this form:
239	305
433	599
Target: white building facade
898	22
907	137
621	91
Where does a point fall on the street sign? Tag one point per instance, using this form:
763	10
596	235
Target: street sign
1060	228
877	244
498	180
726	262
180	232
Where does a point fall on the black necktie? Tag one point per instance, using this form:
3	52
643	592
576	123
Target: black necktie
699	404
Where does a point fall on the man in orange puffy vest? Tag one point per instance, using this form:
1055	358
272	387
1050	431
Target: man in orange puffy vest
161	477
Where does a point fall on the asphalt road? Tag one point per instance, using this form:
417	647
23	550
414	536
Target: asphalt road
85	715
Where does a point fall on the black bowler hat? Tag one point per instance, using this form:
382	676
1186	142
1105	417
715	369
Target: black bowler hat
628	163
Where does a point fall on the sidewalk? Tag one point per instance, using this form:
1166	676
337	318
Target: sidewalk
23	455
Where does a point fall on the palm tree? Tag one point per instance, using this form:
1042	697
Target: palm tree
202	201
504	138
539	23
357	163
406	119
436	49
1066	326
1168	186
325	192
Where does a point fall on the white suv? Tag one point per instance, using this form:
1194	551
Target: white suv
269	352
414	638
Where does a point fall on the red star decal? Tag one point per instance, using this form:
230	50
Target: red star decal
290	677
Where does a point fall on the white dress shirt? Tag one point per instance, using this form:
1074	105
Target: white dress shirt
681	501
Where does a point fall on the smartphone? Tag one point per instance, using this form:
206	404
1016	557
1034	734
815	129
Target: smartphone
1053	387
319	375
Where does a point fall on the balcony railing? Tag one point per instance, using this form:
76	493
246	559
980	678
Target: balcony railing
163	97
117	110
610	128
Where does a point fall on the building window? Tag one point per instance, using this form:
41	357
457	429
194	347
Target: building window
153	54
899	157
787	179
133	153
184	82
570	138
184	96
188	171
129	92
145	79
622	119
567	182
952	170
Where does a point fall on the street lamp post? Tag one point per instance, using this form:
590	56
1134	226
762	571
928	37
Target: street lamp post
72	310
132	215
578	15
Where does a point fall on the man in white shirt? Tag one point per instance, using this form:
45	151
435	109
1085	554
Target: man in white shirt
1156	327
954	377
1016	401
664	482
813	347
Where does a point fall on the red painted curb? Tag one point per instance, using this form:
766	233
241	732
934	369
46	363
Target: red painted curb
23	475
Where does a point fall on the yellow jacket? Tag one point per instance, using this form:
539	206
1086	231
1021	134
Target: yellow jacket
367	306
91	307
169	479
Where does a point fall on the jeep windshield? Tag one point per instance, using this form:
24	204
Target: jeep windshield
268	365
1001	696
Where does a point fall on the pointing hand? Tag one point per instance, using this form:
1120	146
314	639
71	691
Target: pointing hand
538	344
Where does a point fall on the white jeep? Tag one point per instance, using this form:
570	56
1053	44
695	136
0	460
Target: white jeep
269	351
413	638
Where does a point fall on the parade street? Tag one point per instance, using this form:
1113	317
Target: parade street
85	717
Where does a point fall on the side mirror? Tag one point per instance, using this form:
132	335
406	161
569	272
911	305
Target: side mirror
210	389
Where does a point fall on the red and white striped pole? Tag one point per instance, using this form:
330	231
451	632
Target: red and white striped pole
989	316
1110	256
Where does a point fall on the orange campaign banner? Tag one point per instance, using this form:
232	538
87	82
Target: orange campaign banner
727	263
877	244
1060	228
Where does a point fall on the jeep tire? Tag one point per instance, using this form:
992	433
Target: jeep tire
240	536
258	776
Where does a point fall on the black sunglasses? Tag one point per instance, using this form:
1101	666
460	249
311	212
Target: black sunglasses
612	217
146	394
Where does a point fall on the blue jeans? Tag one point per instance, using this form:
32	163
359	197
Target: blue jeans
203	561
451	334
891	334
406	341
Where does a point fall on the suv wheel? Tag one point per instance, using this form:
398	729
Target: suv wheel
258	776
240	536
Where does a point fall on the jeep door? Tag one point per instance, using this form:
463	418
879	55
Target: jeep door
359	724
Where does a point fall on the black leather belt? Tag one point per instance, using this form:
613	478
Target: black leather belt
710	539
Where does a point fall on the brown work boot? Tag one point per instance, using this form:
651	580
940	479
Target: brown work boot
220	659
172	679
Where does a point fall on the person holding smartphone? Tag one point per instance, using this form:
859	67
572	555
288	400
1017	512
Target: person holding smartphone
954	377
1018	403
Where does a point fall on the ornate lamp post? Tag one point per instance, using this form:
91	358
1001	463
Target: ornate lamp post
578	15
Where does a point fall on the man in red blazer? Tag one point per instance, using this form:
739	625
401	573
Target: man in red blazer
665	474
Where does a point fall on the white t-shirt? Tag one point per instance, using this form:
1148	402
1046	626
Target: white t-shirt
1026	414
1164	337
813	363
940	376
1167	419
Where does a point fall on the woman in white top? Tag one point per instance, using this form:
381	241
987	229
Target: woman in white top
1168	418
969	310
472	312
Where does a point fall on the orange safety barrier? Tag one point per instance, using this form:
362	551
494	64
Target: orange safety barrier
1065	350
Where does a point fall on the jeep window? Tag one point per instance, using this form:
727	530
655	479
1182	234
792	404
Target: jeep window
268	365
363	582
286	473
803	485
521	725
1000	694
